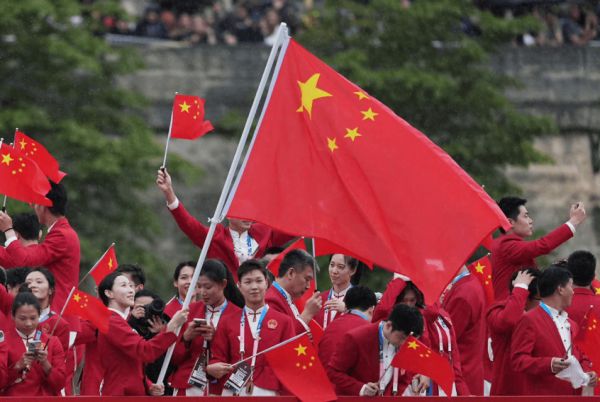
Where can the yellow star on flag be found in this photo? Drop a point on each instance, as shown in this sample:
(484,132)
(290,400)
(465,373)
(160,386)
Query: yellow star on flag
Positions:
(310,93)
(361,95)
(369,114)
(110,263)
(22,143)
(597,291)
(479,268)
(413,345)
(352,134)
(331,144)
(76,297)
(301,349)
(6,159)
(185,107)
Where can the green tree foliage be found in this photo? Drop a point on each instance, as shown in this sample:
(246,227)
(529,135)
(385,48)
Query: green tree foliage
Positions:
(419,62)
(57,84)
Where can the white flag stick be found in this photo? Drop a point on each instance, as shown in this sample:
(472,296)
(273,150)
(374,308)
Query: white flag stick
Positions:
(216,219)
(314,254)
(277,346)
(164,164)
(62,311)
(4,202)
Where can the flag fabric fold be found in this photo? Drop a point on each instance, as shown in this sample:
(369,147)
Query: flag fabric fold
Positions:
(298,368)
(364,179)
(40,155)
(188,118)
(415,357)
(105,265)
(89,308)
(482,270)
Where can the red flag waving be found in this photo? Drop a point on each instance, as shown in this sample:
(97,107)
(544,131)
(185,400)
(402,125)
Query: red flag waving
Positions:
(482,270)
(105,265)
(273,266)
(362,177)
(299,369)
(38,153)
(188,118)
(89,308)
(325,247)
(415,357)
(21,178)
(596,286)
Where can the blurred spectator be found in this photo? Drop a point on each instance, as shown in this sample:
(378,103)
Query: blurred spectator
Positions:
(551,33)
(151,26)
(268,26)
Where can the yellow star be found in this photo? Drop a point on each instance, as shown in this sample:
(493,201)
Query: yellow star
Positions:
(352,134)
(110,263)
(6,159)
(331,144)
(413,345)
(479,268)
(369,114)
(310,93)
(76,297)
(185,107)
(597,291)
(361,95)
(301,349)
(22,143)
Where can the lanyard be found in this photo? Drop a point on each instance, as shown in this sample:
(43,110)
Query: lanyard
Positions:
(249,243)
(546,309)
(180,300)
(256,337)
(44,317)
(212,316)
(359,313)
(291,305)
(334,312)
(439,323)
(557,324)
(382,369)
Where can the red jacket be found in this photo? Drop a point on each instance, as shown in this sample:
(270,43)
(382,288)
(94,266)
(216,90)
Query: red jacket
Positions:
(320,316)
(59,252)
(123,353)
(511,253)
(61,331)
(92,374)
(276,301)
(534,343)
(172,306)
(583,300)
(222,243)
(502,318)
(3,357)
(465,303)
(186,353)
(334,332)
(36,382)
(388,299)
(226,345)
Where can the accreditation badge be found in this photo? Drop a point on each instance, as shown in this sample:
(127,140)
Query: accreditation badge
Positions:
(239,378)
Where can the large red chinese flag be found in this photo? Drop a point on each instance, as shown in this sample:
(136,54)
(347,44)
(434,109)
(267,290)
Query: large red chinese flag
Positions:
(21,178)
(588,339)
(482,270)
(332,162)
(325,247)
(188,118)
(415,357)
(105,265)
(274,264)
(89,308)
(299,369)
(38,153)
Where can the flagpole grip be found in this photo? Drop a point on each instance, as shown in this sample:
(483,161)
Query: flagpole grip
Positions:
(164,164)
(62,311)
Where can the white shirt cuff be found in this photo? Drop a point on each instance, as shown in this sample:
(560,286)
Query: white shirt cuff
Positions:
(363,391)
(9,240)
(571,226)
(521,285)
(174,204)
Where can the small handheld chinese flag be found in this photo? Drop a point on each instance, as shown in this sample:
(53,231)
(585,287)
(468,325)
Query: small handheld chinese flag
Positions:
(89,308)
(40,155)
(482,270)
(299,369)
(188,118)
(105,265)
(415,357)
(596,286)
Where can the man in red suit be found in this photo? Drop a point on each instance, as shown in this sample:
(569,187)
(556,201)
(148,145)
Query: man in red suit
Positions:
(360,365)
(542,342)
(233,245)
(59,251)
(502,318)
(296,271)
(510,252)
(582,265)
(360,302)
(465,303)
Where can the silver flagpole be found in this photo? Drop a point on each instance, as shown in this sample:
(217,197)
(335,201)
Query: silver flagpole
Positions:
(164,164)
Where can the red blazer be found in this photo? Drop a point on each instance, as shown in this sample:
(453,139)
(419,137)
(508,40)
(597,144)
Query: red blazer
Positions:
(276,301)
(3,359)
(61,331)
(36,382)
(186,353)
(59,252)
(502,318)
(172,306)
(430,316)
(388,300)
(583,300)
(222,243)
(511,253)
(276,328)
(320,316)
(123,353)
(534,343)
(92,374)
(335,331)
(465,303)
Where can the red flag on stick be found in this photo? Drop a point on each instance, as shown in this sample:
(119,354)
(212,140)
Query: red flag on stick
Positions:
(105,265)
(415,357)
(299,369)
(188,118)
(40,155)
(21,178)
(482,270)
(355,169)
(89,308)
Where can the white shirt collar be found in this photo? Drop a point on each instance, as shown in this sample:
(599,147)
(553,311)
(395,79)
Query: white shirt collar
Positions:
(44,313)
(124,315)
(25,337)
(343,292)
(51,226)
